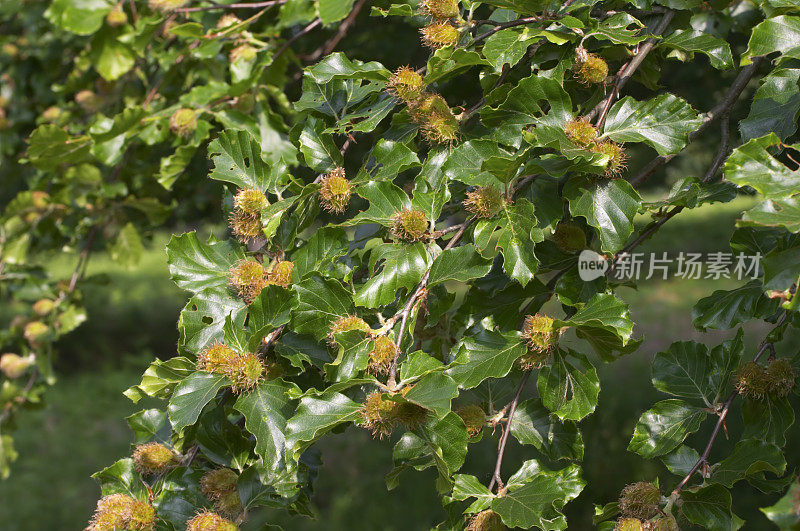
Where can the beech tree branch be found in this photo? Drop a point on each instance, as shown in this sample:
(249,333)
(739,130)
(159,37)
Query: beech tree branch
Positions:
(247,5)
(341,31)
(763,347)
(496,478)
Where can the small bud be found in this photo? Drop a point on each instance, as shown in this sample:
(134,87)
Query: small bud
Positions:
(437,121)
(153,458)
(35,331)
(439,34)
(486,520)
(334,191)
(628,524)
(116,17)
(165,6)
(346,324)
(780,377)
(752,381)
(569,237)
(119,511)
(88,100)
(474,418)
(14,366)
(183,122)
(406,84)
(250,201)
(281,274)
(410,225)
(485,202)
(51,114)
(580,131)
(615,155)
(10,49)
(248,278)
(382,355)
(378,415)
(640,500)
(243,52)
(43,306)
(440,9)
(227,20)
(541,337)
(208,521)
(246,227)
(591,69)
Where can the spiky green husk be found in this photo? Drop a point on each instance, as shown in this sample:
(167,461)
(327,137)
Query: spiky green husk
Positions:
(219,486)
(250,201)
(640,500)
(281,273)
(334,191)
(751,381)
(665,523)
(440,9)
(435,118)
(346,324)
(383,353)
(208,521)
(378,415)
(485,202)
(183,122)
(406,84)
(569,237)
(439,34)
(119,511)
(474,418)
(591,70)
(409,415)
(248,277)
(246,227)
(580,131)
(486,520)
(410,225)
(615,154)
(153,458)
(216,358)
(246,371)
(541,337)
(780,377)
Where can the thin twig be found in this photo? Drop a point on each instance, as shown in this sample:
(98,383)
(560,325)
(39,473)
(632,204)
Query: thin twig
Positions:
(627,71)
(87,248)
(513,23)
(253,5)
(763,347)
(293,38)
(344,27)
(496,478)
(720,110)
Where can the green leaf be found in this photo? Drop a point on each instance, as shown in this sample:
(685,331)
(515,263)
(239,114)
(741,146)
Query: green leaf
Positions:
(534,424)
(434,391)
(784,513)
(767,419)
(609,206)
(222,442)
(204,316)
(465,162)
(488,354)
(121,478)
(508,46)
(663,122)
(725,309)
(708,507)
(320,301)
(751,164)
(387,160)
(778,34)
(538,502)
(50,146)
(82,17)
(266,410)
(334,10)
(749,458)
(717,50)
(466,486)
(783,213)
(681,461)
(461,264)
(403,267)
(781,268)
(237,159)
(338,66)
(198,267)
(127,249)
(569,389)
(160,378)
(271,309)
(774,107)
(385,200)
(665,426)
(191,395)
(148,424)
(683,370)
(320,252)
(315,417)
(111,58)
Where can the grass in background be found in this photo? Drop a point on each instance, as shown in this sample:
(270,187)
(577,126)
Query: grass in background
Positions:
(82,429)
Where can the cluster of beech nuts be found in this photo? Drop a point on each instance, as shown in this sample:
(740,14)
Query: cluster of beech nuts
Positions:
(383,351)
(429,110)
(440,32)
(244,369)
(640,504)
(220,487)
(776,380)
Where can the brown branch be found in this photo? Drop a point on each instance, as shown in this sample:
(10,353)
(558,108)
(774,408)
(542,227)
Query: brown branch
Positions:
(248,5)
(134,12)
(719,111)
(496,478)
(87,248)
(763,347)
(293,38)
(626,72)
(344,27)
